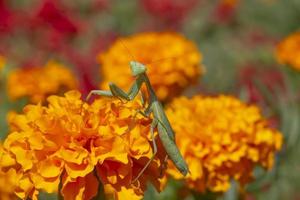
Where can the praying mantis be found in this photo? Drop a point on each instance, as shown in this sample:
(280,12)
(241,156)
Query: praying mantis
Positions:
(160,120)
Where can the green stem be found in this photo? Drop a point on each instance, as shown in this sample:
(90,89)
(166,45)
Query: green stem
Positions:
(101,193)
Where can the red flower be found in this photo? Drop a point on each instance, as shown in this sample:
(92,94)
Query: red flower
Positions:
(51,13)
(271,78)
(5,17)
(225,10)
(171,11)
(100,4)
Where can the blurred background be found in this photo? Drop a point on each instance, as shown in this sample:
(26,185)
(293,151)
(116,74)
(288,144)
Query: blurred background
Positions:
(237,39)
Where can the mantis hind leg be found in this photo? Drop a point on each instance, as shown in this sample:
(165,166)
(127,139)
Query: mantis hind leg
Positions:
(164,165)
(153,125)
(146,113)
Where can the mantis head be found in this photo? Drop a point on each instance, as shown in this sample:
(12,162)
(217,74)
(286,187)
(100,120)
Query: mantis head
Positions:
(137,68)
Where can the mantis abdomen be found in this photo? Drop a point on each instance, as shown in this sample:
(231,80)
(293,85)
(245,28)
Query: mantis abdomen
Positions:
(167,137)
(172,150)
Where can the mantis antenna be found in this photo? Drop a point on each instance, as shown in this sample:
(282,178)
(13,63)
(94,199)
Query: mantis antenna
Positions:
(155,61)
(163,59)
(128,51)
(134,59)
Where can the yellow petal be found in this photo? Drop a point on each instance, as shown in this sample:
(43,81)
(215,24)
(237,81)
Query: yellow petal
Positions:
(49,168)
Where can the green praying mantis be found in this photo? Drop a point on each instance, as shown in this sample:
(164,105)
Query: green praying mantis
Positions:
(160,120)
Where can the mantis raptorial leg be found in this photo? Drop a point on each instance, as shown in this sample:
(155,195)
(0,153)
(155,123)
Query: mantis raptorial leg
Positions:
(115,91)
(100,93)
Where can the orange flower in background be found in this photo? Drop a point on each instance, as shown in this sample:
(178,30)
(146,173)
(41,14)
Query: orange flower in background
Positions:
(84,144)
(2,63)
(39,82)
(230,2)
(173,62)
(288,51)
(221,139)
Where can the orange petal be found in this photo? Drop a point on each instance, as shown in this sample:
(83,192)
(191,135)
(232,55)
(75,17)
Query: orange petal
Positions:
(50,185)
(81,188)
(114,150)
(49,168)
(127,193)
(79,170)
(75,155)
(23,157)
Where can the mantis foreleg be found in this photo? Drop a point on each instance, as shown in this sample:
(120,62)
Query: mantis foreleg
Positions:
(118,92)
(115,91)
(100,93)
(133,91)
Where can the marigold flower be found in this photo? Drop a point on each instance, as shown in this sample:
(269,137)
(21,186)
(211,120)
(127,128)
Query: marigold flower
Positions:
(39,82)
(169,10)
(229,2)
(13,182)
(2,63)
(7,178)
(288,51)
(83,144)
(178,62)
(221,139)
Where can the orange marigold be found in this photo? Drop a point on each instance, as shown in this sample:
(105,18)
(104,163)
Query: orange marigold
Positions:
(2,63)
(176,62)
(288,51)
(13,182)
(82,144)
(231,3)
(39,82)
(221,138)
